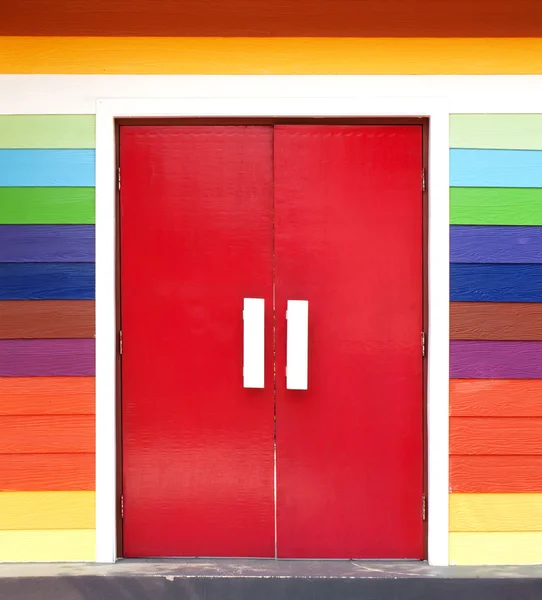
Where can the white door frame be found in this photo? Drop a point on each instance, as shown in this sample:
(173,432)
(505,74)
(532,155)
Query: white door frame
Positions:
(320,100)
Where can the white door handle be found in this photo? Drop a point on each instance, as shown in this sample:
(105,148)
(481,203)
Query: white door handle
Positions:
(253,342)
(297,344)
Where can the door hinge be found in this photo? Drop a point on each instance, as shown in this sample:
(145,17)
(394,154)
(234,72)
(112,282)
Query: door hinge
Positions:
(120,342)
(122,506)
(424,503)
(423,343)
(118,178)
(424,185)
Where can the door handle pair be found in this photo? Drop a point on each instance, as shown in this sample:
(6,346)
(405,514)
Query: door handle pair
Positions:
(297,338)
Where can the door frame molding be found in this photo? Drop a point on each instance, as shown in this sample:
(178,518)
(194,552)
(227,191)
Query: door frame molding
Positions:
(319,100)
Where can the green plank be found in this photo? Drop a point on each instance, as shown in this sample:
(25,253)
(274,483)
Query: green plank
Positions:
(47,131)
(502,132)
(495,206)
(46,205)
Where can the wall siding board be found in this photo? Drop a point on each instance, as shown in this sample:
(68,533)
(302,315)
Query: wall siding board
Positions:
(496,548)
(497,132)
(495,283)
(47,281)
(47,168)
(63,545)
(47,131)
(495,244)
(495,206)
(514,321)
(47,205)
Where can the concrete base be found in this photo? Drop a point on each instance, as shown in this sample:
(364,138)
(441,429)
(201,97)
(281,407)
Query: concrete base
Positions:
(266,580)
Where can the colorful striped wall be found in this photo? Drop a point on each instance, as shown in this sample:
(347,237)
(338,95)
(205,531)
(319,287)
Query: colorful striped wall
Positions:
(496,339)
(47,391)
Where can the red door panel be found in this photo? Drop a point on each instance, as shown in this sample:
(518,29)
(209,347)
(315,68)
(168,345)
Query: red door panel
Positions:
(196,238)
(348,223)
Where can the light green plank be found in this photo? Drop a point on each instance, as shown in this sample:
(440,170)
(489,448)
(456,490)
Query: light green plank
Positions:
(495,206)
(47,131)
(46,205)
(502,132)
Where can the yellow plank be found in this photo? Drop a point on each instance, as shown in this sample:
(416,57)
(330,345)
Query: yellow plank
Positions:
(153,55)
(47,510)
(48,546)
(496,512)
(520,548)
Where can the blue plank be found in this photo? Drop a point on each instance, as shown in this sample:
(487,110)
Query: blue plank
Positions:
(495,244)
(47,243)
(47,168)
(496,168)
(46,281)
(495,283)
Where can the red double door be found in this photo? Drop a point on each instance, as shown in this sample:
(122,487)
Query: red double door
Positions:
(211,215)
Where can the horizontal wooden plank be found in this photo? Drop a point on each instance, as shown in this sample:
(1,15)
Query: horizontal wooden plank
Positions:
(495,283)
(496,512)
(47,395)
(50,545)
(495,360)
(28,319)
(499,132)
(487,474)
(47,510)
(47,205)
(495,206)
(496,435)
(47,281)
(47,131)
(56,168)
(42,472)
(269,56)
(512,321)
(496,548)
(495,244)
(496,168)
(47,434)
(47,243)
(495,397)
(44,358)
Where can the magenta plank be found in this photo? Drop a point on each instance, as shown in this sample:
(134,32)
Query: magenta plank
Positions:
(495,360)
(28,358)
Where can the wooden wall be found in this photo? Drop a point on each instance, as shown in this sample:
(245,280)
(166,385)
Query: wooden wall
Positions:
(496,339)
(47,391)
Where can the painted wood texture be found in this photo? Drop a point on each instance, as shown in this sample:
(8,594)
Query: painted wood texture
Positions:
(47,434)
(47,510)
(495,168)
(496,548)
(505,132)
(31,168)
(487,474)
(495,206)
(494,321)
(51,545)
(496,512)
(267,56)
(495,283)
(497,244)
(240,18)
(42,472)
(47,131)
(23,358)
(47,243)
(47,395)
(496,435)
(46,281)
(47,205)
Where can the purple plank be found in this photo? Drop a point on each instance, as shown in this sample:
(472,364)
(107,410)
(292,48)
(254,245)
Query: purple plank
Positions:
(501,244)
(29,358)
(495,360)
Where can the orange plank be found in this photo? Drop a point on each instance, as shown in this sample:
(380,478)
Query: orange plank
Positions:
(47,395)
(496,397)
(487,435)
(495,474)
(46,434)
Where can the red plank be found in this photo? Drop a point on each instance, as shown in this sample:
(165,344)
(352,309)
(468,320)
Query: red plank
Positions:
(197,446)
(495,474)
(348,205)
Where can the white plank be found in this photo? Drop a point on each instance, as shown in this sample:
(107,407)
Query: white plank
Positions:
(297,345)
(254,343)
